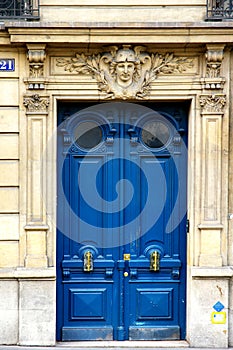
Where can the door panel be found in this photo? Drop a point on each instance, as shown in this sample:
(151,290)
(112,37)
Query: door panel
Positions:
(121,251)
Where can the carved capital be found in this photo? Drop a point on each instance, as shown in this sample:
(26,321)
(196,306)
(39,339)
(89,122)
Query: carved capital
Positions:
(36,103)
(125,72)
(212,103)
(36,57)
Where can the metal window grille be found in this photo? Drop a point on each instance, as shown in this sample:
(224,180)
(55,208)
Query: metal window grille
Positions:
(19,9)
(219,9)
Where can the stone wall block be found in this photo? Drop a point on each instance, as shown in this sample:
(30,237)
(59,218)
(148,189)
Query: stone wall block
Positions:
(9,92)
(9,200)
(9,226)
(9,254)
(9,173)
(204,295)
(9,146)
(9,119)
(37,313)
(8,312)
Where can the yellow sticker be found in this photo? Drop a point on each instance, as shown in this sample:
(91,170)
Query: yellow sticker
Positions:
(218,317)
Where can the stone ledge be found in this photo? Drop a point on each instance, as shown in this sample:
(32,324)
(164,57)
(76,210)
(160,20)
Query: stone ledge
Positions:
(27,273)
(112,25)
(212,272)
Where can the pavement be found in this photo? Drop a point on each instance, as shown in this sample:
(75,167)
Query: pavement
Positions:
(112,345)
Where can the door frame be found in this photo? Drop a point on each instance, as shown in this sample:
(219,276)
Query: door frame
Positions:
(191,152)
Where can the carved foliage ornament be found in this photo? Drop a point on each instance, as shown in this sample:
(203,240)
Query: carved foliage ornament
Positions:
(125,73)
(213,103)
(36,103)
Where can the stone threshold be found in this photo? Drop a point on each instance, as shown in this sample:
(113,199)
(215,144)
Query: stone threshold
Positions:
(126,344)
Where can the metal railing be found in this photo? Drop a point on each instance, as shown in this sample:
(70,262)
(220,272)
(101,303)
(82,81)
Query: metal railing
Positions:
(19,9)
(218,10)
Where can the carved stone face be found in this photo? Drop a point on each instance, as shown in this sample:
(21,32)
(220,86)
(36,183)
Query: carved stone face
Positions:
(124,73)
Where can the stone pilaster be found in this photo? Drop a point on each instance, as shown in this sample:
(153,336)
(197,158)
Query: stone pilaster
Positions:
(212,102)
(36,227)
(211,226)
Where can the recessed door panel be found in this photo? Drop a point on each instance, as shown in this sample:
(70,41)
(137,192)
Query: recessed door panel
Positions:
(121,251)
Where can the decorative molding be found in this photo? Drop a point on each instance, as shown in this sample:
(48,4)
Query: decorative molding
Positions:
(36,103)
(212,103)
(36,57)
(125,72)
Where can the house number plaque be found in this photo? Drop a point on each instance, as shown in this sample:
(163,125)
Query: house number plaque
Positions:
(7,65)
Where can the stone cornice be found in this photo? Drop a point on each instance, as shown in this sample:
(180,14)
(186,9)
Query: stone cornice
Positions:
(119,24)
(160,33)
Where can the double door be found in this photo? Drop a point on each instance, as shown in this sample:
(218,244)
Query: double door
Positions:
(121,243)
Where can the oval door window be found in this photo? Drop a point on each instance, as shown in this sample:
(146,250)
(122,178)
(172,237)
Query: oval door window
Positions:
(155,134)
(88,135)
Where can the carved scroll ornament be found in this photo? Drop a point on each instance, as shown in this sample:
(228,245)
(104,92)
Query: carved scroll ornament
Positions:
(125,73)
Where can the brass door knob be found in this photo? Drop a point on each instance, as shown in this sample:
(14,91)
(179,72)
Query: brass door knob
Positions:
(126,274)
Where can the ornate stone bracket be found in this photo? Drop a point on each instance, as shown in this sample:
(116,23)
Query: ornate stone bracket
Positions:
(125,72)
(36,57)
(214,57)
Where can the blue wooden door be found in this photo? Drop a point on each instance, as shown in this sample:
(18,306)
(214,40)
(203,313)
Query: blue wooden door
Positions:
(121,245)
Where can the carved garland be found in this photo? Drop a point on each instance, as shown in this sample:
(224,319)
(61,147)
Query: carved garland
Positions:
(125,72)
(36,103)
(213,103)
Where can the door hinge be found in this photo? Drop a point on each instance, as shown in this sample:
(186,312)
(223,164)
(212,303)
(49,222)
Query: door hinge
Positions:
(187,226)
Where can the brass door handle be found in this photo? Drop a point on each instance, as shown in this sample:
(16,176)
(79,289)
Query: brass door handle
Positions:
(88,261)
(154,261)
